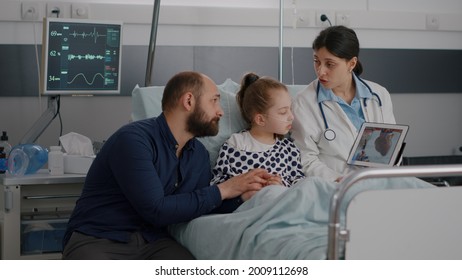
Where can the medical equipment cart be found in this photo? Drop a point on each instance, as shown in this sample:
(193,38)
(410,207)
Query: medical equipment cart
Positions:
(30,207)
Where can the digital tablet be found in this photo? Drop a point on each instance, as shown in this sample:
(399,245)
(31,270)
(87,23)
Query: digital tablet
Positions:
(378,145)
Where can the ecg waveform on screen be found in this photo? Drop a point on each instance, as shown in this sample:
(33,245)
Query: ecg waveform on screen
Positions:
(84,35)
(85,57)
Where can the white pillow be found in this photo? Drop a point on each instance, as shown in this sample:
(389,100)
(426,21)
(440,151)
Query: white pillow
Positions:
(146,102)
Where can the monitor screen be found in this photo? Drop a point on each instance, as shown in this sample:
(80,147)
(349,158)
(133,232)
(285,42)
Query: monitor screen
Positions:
(81,57)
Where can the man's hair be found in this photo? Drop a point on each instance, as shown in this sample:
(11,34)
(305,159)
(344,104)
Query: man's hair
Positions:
(187,81)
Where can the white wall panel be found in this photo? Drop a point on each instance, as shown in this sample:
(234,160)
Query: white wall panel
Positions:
(238,26)
(444,6)
(393,24)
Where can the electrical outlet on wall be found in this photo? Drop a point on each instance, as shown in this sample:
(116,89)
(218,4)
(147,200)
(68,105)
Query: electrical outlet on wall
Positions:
(31,10)
(342,19)
(432,22)
(80,11)
(58,9)
(305,18)
(329,14)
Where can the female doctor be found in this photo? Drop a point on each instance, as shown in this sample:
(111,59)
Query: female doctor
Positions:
(330,110)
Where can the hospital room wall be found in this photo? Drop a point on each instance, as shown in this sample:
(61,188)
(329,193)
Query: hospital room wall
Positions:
(391,25)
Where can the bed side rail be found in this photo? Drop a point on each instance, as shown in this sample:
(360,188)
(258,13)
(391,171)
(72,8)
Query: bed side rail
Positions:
(367,173)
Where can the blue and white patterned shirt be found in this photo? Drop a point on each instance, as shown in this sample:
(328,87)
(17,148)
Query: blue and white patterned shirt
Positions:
(242,153)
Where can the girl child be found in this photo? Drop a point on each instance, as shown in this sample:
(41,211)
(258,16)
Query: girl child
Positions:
(265,105)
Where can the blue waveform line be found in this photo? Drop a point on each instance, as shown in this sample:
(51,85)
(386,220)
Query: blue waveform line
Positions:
(94,34)
(85,78)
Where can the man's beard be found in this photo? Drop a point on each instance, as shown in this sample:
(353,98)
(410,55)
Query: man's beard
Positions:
(198,127)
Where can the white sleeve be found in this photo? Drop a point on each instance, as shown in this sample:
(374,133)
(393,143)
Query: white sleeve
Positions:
(387,106)
(388,115)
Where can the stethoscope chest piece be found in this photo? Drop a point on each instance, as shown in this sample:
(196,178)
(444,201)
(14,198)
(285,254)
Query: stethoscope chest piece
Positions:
(329,134)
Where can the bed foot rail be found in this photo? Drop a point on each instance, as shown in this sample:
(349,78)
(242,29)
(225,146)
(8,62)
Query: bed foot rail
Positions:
(335,233)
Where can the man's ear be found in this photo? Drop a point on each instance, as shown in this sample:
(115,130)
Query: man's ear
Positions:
(187,101)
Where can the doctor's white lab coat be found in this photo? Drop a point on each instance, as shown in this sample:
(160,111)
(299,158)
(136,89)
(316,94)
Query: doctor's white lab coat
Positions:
(323,158)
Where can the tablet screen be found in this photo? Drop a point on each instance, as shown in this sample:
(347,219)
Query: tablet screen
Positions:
(378,144)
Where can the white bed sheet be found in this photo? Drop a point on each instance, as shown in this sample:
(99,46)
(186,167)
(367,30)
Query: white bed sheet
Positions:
(277,223)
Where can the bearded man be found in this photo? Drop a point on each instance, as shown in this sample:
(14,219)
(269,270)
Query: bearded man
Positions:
(153,173)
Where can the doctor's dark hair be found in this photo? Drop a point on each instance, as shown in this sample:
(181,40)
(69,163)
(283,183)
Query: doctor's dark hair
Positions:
(254,96)
(340,41)
(187,81)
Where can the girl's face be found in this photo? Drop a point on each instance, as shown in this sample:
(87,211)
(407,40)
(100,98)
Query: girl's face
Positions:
(278,118)
(332,71)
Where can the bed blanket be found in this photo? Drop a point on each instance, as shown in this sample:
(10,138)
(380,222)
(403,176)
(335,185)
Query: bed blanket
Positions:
(277,223)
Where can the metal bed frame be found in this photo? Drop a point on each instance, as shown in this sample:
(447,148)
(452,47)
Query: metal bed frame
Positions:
(335,231)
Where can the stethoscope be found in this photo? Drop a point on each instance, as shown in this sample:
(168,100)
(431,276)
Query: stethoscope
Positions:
(329,134)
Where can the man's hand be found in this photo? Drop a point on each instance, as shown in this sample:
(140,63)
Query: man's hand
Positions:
(251,181)
(247,195)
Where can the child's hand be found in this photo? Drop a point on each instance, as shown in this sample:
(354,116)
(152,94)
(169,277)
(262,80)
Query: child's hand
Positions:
(275,179)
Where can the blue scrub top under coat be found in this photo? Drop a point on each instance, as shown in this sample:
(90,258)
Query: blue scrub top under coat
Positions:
(354,111)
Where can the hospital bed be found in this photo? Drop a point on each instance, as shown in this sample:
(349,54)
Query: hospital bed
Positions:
(375,213)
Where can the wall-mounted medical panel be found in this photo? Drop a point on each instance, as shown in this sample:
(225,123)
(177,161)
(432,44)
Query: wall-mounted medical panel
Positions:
(356,17)
(399,70)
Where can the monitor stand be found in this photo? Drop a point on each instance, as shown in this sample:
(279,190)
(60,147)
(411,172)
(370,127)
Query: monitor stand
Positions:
(43,122)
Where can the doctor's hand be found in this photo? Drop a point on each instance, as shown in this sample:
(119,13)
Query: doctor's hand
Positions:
(252,181)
